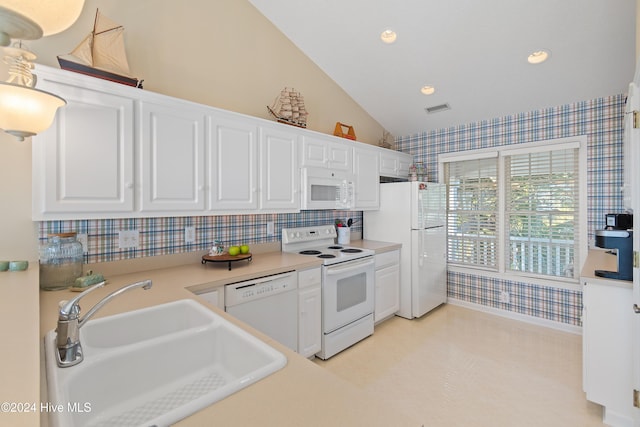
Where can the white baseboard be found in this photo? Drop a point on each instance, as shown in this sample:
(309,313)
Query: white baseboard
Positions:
(517,316)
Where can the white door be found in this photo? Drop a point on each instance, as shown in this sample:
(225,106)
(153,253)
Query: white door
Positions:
(233,164)
(428,270)
(173,161)
(632,144)
(427,205)
(74,173)
(279,173)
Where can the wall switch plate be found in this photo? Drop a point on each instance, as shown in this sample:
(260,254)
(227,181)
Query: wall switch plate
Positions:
(189,234)
(270,228)
(83,238)
(128,239)
(505,297)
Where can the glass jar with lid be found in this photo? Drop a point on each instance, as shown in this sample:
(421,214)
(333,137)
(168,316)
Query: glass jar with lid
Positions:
(60,261)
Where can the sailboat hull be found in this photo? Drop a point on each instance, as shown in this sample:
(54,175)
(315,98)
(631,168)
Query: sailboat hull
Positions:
(65,64)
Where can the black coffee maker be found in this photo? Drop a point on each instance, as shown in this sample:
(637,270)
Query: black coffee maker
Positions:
(618,237)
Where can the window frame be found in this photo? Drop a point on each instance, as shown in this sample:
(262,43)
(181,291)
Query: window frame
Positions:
(500,152)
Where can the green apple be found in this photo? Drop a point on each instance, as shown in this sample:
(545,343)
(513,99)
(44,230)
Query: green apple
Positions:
(244,249)
(234,250)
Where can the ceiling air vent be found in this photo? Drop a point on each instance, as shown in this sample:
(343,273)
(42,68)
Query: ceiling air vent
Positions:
(437,108)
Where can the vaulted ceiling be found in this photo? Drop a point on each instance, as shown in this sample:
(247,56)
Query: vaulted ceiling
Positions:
(473,52)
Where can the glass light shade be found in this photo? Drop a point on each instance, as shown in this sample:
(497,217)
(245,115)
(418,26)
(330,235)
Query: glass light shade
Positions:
(538,57)
(53,16)
(427,90)
(388,36)
(26,111)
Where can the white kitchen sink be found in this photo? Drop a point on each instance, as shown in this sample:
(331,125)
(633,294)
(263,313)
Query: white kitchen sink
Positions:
(154,366)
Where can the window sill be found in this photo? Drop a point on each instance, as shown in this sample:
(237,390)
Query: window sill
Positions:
(559,283)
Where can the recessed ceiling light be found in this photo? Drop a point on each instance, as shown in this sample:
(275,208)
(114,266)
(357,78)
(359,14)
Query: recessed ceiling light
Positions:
(539,56)
(388,36)
(427,90)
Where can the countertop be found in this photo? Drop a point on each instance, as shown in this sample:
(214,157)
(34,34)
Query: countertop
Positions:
(302,393)
(600,259)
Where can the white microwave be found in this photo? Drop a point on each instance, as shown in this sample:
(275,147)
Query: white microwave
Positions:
(326,189)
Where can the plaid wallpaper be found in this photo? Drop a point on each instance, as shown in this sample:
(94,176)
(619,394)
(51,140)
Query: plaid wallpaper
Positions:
(163,236)
(601,120)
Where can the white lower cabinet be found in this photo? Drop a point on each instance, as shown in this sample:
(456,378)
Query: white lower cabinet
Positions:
(607,348)
(387,296)
(309,312)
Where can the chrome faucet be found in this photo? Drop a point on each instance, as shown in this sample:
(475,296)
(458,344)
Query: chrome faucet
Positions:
(69,322)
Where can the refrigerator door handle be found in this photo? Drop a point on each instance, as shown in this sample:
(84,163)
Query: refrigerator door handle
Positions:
(421,252)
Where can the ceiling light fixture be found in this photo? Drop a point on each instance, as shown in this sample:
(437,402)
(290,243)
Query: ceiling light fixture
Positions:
(24,110)
(388,36)
(427,90)
(538,56)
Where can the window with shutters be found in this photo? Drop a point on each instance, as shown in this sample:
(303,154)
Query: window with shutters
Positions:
(518,209)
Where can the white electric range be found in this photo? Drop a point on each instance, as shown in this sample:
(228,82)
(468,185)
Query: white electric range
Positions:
(347,285)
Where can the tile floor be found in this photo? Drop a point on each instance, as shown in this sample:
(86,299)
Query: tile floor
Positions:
(460,367)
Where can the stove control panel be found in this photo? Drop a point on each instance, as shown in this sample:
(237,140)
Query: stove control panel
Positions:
(308,234)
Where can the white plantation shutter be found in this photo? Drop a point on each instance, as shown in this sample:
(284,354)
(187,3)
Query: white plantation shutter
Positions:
(472,211)
(542,212)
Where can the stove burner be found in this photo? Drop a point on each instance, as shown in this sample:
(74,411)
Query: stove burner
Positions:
(310,252)
(326,256)
(351,251)
(334,247)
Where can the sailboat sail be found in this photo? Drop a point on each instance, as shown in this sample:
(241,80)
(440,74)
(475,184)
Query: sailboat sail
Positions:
(102,53)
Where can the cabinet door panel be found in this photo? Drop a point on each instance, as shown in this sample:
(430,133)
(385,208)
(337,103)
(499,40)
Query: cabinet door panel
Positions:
(233,164)
(309,321)
(84,162)
(172,158)
(367,178)
(279,174)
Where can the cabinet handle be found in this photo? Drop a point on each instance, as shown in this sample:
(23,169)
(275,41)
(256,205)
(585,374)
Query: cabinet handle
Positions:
(636,309)
(129,185)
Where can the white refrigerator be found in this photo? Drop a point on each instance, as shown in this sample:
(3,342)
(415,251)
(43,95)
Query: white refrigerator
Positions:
(414,214)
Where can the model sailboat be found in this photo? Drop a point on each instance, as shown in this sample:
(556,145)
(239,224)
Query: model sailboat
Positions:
(289,108)
(101,54)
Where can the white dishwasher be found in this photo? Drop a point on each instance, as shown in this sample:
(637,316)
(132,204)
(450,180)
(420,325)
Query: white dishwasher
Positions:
(269,304)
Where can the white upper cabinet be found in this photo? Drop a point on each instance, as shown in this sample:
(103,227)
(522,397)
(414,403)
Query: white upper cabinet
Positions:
(367,178)
(83,164)
(394,164)
(326,153)
(172,172)
(115,152)
(279,173)
(233,163)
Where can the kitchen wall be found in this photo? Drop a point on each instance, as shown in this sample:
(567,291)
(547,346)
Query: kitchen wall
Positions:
(222,53)
(601,120)
(165,236)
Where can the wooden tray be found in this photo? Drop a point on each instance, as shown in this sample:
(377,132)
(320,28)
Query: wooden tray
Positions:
(227,258)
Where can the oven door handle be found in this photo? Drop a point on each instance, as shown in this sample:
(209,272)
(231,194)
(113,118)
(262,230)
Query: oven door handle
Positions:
(351,265)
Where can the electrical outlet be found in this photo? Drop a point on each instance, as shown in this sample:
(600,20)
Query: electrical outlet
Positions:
(189,234)
(83,238)
(128,239)
(270,228)
(505,297)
